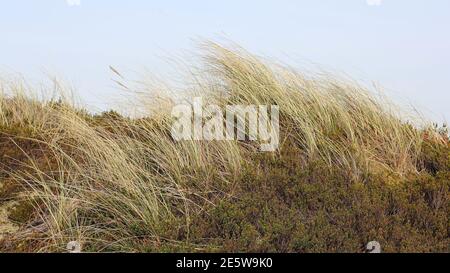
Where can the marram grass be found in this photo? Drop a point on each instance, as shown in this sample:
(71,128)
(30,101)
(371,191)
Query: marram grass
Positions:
(350,169)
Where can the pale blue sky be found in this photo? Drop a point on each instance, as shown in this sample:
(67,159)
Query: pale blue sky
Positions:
(402,44)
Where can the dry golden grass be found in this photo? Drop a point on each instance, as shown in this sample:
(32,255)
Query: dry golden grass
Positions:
(118,178)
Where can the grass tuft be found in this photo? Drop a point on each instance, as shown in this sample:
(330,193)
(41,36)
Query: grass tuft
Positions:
(350,169)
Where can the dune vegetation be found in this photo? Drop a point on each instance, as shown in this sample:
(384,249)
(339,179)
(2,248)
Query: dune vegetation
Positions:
(351,168)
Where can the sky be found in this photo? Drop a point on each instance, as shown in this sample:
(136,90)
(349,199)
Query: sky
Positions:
(402,45)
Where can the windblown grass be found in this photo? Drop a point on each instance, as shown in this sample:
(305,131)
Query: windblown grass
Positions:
(113,182)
